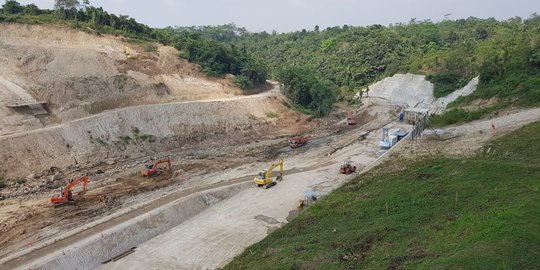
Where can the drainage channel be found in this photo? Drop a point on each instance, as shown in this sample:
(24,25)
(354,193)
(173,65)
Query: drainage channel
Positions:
(58,247)
(119,241)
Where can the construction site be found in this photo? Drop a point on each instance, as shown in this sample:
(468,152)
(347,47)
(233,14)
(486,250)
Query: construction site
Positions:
(119,158)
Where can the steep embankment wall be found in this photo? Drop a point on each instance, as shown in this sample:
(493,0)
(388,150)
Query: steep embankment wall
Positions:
(113,134)
(415,91)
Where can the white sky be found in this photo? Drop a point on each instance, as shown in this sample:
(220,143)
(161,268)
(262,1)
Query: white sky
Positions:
(292,15)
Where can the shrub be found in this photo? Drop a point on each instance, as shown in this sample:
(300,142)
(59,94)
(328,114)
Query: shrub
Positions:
(446,83)
(272,115)
(458,115)
(20,181)
(305,89)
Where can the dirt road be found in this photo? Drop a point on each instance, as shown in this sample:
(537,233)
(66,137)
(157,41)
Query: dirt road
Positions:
(214,237)
(307,159)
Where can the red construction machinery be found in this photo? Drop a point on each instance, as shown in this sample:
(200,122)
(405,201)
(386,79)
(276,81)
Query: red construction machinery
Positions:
(298,141)
(152,168)
(347,168)
(66,195)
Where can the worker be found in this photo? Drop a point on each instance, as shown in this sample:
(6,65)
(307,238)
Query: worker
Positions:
(401,116)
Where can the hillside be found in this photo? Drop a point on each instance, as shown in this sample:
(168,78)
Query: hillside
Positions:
(171,126)
(79,74)
(432,212)
(504,54)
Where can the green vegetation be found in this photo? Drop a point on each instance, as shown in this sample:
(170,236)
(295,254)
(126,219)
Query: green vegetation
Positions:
(214,58)
(305,88)
(2,182)
(458,115)
(124,140)
(506,55)
(20,181)
(446,83)
(272,115)
(479,212)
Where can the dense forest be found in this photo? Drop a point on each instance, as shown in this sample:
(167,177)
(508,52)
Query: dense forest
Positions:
(505,54)
(321,66)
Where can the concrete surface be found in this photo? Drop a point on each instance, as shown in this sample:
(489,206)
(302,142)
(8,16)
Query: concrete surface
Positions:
(214,237)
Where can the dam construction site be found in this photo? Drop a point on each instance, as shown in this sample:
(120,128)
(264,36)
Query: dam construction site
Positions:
(117,156)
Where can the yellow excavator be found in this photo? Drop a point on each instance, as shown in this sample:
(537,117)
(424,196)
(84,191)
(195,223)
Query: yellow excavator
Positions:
(264,178)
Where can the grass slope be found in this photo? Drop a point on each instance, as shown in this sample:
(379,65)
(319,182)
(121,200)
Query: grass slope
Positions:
(480,212)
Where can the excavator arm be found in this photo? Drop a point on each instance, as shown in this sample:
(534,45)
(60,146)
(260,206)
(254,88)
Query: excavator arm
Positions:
(267,180)
(83,179)
(56,200)
(165,160)
(149,171)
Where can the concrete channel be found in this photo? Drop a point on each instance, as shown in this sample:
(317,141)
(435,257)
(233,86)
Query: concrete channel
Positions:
(120,240)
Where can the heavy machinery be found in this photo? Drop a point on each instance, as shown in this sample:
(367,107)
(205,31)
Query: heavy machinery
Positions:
(347,168)
(298,141)
(66,194)
(264,178)
(150,169)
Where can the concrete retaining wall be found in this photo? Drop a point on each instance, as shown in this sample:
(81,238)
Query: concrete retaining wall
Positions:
(92,252)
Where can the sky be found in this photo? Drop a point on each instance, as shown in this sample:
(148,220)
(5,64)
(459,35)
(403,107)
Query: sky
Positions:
(295,15)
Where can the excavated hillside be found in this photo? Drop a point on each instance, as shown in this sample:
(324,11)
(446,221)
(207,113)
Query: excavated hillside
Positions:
(78,74)
(70,100)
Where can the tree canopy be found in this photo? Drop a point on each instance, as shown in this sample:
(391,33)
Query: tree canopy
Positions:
(66,4)
(451,52)
(505,54)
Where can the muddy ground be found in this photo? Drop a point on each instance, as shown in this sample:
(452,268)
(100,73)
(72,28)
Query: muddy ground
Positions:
(27,217)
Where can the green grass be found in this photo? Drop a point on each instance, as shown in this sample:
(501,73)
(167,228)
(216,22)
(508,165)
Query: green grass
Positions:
(512,91)
(298,108)
(272,115)
(480,212)
(458,115)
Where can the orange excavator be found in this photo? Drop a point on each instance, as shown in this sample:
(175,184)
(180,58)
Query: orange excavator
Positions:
(151,168)
(67,195)
(298,142)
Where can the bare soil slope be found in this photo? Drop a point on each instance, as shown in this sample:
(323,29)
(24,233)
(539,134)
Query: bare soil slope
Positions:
(109,99)
(79,74)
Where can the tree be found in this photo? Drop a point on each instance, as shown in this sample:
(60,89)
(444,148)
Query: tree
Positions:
(32,9)
(304,87)
(12,7)
(66,4)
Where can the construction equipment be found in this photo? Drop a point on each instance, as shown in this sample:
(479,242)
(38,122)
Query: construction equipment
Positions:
(150,169)
(347,168)
(298,141)
(66,194)
(385,141)
(264,178)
